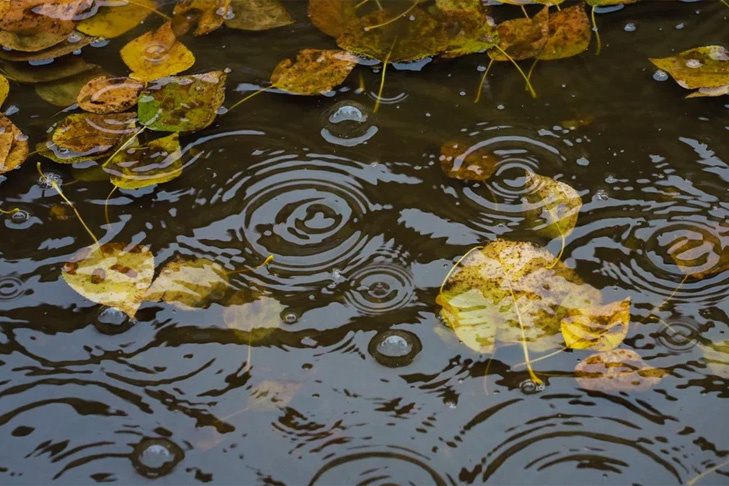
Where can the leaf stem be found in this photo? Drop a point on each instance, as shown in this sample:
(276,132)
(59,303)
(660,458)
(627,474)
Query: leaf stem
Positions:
(693,481)
(529,84)
(554,353)
(382,78)
(525,12)
(268,260)
(561,251)
(483,81)
(597,32)
(453,268)
(106,205)
(12,211)
(394,19)
(124,145)
(147,7)
(246,99)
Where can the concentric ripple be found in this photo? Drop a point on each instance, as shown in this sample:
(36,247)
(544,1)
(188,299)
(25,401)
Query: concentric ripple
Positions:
(678,335)
(11,287)
(382,286)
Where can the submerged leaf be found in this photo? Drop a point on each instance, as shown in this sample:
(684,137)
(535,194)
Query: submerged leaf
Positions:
(617,370)
(554,206)
(699,252)
(331,16)
(13,146)
(478,303)
(255,317)
(717,357)
(257,15)
(113,274)
(33,42)
(58,69)
(272,395)
(600,328)
(86,132)
(156,54)
(157,162)
(182,103)
(189,282)
(29,17)
(461,161)
(71,44)
(702,67)
(314,72)
(64,92)
(116,18)
(109,94)
(522,38)
(4,89)
(569,34)
(211,13)
(468,30)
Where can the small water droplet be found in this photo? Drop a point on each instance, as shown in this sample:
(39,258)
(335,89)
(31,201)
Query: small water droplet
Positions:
(111,321)
(20,217)
(602,195)
(694,63)
(74,38)
(348,123)
(629,27)
(680,26)
(660,75)
(290,317)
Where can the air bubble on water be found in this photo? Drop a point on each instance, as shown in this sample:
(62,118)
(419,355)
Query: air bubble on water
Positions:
(50,177)
(694,63)
(108,320)
(154,458)
(530,387)
(290,317)
(348,123)
(583,161)
(660,75)
(394,348)
(680,26)
(629,27)
(602,195)
(20,217)
(229,15)
(222,110)
(77,52)
(101,42)
(74,38)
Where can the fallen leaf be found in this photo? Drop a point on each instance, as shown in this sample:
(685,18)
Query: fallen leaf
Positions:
(257,15)
(63,92)
(699,252)
(702,67)
(522,38)
(462,161)
(4,89)
(314,72)
(116,18)
(58,69)
(211,16)
(468,30)
(29,17)
(254,317)
(87,132)
(156,54)
(569,34)
(189,282)
(717,357)
(554,206)
(109,94)
(272,395)
(617,370)
(710,92)
(182,103)
(13,146)
(73,43)
(113,274)
(600,328)
(32,43)
(331,16)
(157,162)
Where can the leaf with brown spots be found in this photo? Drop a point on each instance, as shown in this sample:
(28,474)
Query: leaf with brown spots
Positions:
(569,34)
(157,162)
(4,89)
(464,162)
(600,328)
(258,15)
(522,38)
(189,283)
(37,16)
(331,16)
(157,54)
(85,132)
(314,72)
(109,94)
(619,370)
(13,146)
(553,206)
(58,50)
(210,13)
(31,42)
(113,274)
(700,68)
(469,30)
(63,92)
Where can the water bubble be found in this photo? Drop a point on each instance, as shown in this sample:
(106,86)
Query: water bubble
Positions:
(693,63)
(680,26)
(111,321)
(629,27)
(290,317)
(602,195)
(530,387)
(660,75)
(348,123)
(678,335)
(50,177)
(395,348)
(154,458)
(74,38)
(20,217)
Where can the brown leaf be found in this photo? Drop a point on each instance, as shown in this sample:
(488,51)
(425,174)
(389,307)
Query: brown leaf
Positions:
(108,94)
(85,132)
(314,72)
(570,32)
(13,146)
(617,370)
(210,13)
(522,38)
(331,16)
(258,15)
(461,161)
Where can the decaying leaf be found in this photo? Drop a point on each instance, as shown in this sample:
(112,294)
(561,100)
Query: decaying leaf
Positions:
(157,162)
(257,15)
(272,395)
(156,54)
(189,282)
(462,161)
(4,89)
(211,13)
(522,38)
(331,16)
(600,328)
(87,132)
(386,34)
(468,29)
(699,68)
(314,72)
(569,34)
(717,357)
(13,146)
(63,92)
(699,252)
(254,317)
(58,69)
(481,297)
(554,206)
(73,43)
(32,43)
(109,94)
(617,370)
(116,18)
(29,17)
(182,103)
(113,274)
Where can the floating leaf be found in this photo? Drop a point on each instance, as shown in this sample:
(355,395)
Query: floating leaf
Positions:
(156,54)
(255,317)
(87,132)
(108,94)
(13,146)
(471,163)
(699,252)
(4,89)
(569,34)
(384,33)
(314,72)
(113,274)
(717,357)
(331,16)
(74,42)
(272,395)
(29,17)
(117,18)
(157,162)
(58,69)
(479,297)
(554,206)
(617,370)
(710,92)
(182,103)
(468,30)
(258,15)
(189,282)
(600,328)
(32,43)
(211,13)
(702,67)
(63,92)
(522,38)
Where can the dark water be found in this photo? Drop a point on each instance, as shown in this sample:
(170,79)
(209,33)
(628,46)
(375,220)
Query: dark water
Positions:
(362,236)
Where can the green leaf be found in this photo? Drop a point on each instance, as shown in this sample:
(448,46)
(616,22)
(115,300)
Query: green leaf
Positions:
(258,15)
(157,162)
(314,72)
(182,103)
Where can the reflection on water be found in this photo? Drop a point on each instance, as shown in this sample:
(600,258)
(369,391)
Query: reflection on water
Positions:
(361,382)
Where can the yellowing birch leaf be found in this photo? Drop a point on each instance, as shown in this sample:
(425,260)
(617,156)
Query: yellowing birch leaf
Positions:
(554,206)
(331,16)
(189,282)
(116,18)
(211,13)
(314,72)
(701,67)
(258,15)
(615,371)
(522,38)
(4,89)
(600,328)
(109,94)
(569,34)
(157,162)
(156,54)
(13,146)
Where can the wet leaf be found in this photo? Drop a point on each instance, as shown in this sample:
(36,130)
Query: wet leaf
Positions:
(29,17)
(717,357)
(314,72)
(58,69)
(87,132)
(13,146)
(569,34)
(253,316)
(478,304)
(409,37)
(189,282)
(74,42)
(4,89)
(600,328)
(702,67)
(459,5)
(258,15)
(710,92)
(156,54)
(113,274)
(31,43)
(157,162)
(461,161)
(63,92)
(182,103)
(617,370)
(522,38)
(699,253)
(554,206)
(116,18)
(211,13)
(272,395)
(331,16)
(109,94)
(468,31)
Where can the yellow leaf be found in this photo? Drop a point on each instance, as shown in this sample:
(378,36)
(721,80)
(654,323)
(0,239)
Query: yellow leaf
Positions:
(600,328)
(254,317)
(58,50)
(258,15)
(4,89)
(617,370)
(211,13)
(157,54)
(554,206)
(189,282)
(109,94)
(157,162)
(116,18)
(461,161)
(85,132)
(701,67)
(13,146)
(113,274)
(314,72)
(569,34)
